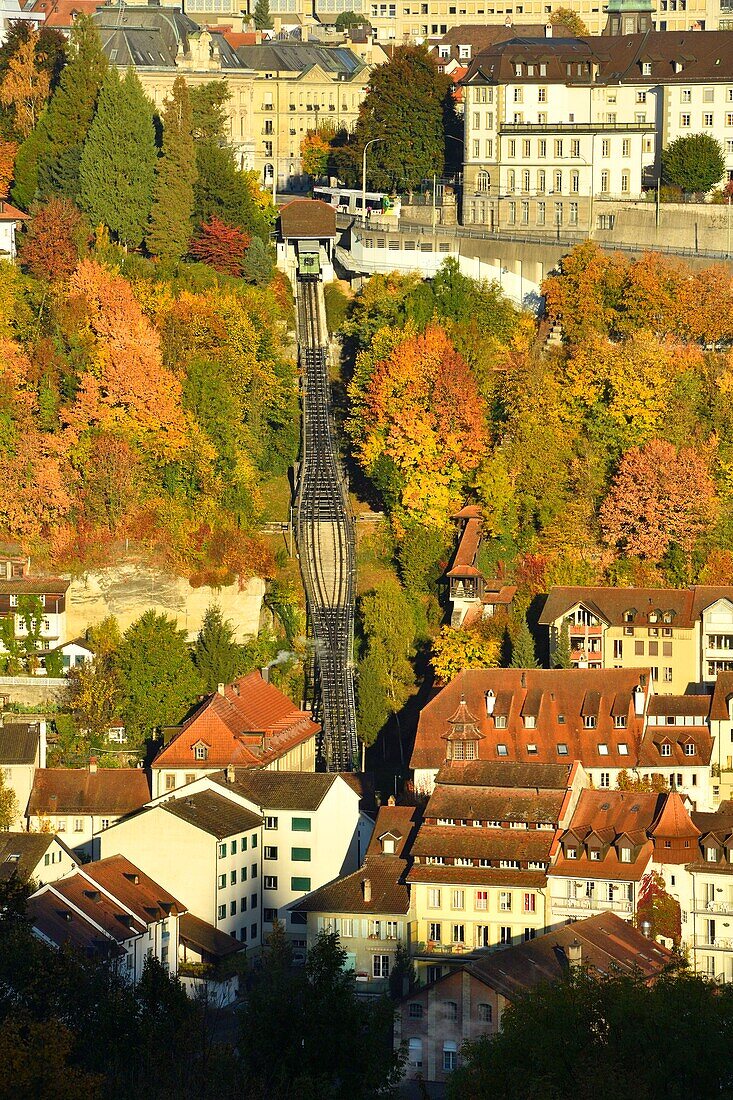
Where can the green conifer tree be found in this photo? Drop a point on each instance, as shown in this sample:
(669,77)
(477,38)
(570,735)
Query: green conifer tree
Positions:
(262,17)
(523,654)
(258,267)
(175,175)
(64,126)
(25,184)
(562,657)
(118,160)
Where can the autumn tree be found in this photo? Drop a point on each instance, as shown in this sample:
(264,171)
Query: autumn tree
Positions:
(694,162)
(418,423)
(8,805)
(93,694)
(118,159)
(221,246)
(566,17)
(315,151)
(175,175)
(655,783)
(659,495)
(8,153)
(583,295)
(658,908)
(25,86)
(455,650)
(56,238)
(64,126)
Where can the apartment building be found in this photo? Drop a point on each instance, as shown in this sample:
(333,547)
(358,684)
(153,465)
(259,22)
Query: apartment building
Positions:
(684,636)
(605,719)
(370,908)
(278,90)
(708,906)
(480,858)
(37,858)
(22,753)
(554,126)
(248,724)
(434,1021)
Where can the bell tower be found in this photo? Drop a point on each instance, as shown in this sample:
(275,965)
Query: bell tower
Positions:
(629,17)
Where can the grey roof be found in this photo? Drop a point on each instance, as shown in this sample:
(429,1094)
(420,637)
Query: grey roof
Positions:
(300,57)
(211,941)
(213,814)
(280,790)
(151,37)
(20,853)
(19,742)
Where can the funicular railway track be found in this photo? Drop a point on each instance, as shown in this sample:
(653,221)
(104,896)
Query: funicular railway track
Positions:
(325,535)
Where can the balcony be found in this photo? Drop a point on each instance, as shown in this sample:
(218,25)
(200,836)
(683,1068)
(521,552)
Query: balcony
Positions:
(718,944)
(588,905)
(714,907)
(575,127)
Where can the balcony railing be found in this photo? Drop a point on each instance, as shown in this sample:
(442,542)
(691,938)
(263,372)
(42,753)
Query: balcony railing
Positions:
(720,943)
(620,905)
(714,907)
(575,127)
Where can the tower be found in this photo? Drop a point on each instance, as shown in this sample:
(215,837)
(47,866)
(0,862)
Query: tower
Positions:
(628,17)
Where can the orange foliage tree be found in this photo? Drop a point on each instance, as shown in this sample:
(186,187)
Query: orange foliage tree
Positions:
(8,151)
(659,495)
(127,388)
(315,150)
(26,85)
(56,236)
(420,409)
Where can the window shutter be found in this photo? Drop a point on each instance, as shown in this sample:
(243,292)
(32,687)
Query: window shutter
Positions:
(364,929)
(400,929)
(321,924)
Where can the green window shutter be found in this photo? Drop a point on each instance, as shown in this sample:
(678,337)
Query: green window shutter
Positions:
(300,855)
(301,824)
(300,885)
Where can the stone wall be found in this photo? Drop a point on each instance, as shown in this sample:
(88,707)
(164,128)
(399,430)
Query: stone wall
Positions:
(686,226)
(130,588)
(32,691)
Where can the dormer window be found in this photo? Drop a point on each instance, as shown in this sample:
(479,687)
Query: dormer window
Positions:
(619,721)
(690,748)
(530,721)
(500,721)
(589,722)
(595,855)
(711,855)
(464,53)
(388,845)
(571,853)
(200,751)
(653,616)
(629,615)
(667,616)
(665,749)
(646,68)
(531,750)
(444,51)
(625,855)
(518,69)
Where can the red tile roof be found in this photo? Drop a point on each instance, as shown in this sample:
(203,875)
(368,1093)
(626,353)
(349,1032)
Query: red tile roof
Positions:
(249,725)
(553,694)
(10,213)
(79,791)
(467,842)
(61,13)
(308,218)
(673,820)
(137,891)
(464,562)
(686,604)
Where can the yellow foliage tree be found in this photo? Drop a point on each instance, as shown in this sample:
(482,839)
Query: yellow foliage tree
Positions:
(454,650)
(26,85)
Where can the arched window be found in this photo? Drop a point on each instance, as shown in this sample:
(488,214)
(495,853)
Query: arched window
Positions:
(541,182)
(414,1053)
(483,181)
(575,182)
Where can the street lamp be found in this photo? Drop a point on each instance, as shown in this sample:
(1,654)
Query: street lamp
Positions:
(372,141)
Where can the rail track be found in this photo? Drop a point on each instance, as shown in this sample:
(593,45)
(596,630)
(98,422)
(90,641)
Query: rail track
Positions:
(325,535)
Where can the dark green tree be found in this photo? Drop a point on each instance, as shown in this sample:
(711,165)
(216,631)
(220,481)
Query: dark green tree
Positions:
(262,17)
(158,680)
(25,183)
(410,126)
(562,658)
(217,656)
(65,124)
(372,684)
(118,159)
(258,267)
(595,1037)
(22,649)
(523,652)
(693,163)
(422,553)
(347,19)
(175,174)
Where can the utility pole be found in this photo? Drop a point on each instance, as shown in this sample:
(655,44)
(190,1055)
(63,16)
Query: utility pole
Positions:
(372,141)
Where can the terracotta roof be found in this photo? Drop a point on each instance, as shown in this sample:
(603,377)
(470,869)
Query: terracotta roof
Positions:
(608,945)
(53,918)
(722,692)
(479,843)
(620,811)
(562,693)
(308,218)
(673,819)
(280,790)
(465,557)
(687,604)
(206,939)
(650,753)
(212,813)
(79,791)
(679,705)
(487,773)
(20,853)
(451,875)
(608,868)
(9,213)
(469,511)
(19,743)
(136,890)
(401,822)
(389,894)
(249,725)
(61,13)
(491,804)
(96,904)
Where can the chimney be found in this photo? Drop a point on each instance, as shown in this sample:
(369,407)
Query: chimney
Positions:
(524,679)
(574,954)
(366,887)
(490,702)
(548,30)
(265,672)
(92,765)
(230,775)
(639,701)
(220,688)
(235,689)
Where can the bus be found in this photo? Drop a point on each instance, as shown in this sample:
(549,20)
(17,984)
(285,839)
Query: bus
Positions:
(347,200)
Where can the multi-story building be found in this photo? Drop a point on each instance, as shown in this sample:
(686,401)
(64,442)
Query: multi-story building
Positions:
(110,910)
(480,859)
(249,724)
(22,753)
(24,598)
(708,907)
(37,858)
(604,719)
(80,803)
(434,1021)
(299,830)
(370,908)
(554,126)
(278,90)
(683,635)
